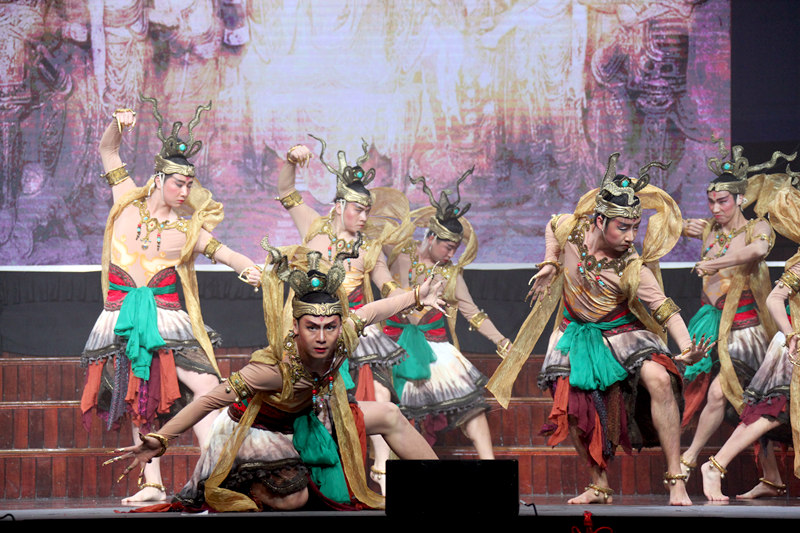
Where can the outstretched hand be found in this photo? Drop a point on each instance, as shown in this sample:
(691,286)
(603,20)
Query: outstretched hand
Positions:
(696,351)
(541,283)
(141,454)
(125,119)
(430,293)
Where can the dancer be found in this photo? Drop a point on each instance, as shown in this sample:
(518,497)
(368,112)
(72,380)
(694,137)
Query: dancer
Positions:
(735,287)
(355,210)
(766,412)
(607,366)
(144,351)
(289,437)
(438,387)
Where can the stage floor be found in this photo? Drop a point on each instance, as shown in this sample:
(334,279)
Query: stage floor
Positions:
(626,513)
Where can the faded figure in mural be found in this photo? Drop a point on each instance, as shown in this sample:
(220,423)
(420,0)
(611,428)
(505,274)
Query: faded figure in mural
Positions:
(35,87)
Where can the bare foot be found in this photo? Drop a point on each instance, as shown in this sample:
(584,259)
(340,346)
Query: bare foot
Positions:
(712,483)
(147,494)
(592,496)
(763,490)
(378,476)
(687,467)
(678,494)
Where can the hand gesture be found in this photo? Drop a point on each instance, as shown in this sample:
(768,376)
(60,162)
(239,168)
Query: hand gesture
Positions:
(430,293)
(125,119)
(299,155)
(694,227)
(704,268)
(252,276)
(791,350)
(541,283)
(148,449)
(696,351)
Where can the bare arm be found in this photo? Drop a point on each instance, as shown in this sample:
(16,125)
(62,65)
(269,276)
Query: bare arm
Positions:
(550,266)
(429,296)
(763,237)
(776,303)
(109,150)
(302,215)
(478,319)
(218,252)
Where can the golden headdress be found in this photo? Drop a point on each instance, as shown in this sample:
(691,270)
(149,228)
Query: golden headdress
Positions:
(313,280)
(348,175)
(610,188)
(737,166)
(173,146)
(445,209)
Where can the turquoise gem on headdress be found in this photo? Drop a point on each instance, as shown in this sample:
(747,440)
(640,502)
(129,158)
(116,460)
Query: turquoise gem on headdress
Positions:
(455,211)
(726,165)
(359,173)
(625,183)
(182,147)
(316,282)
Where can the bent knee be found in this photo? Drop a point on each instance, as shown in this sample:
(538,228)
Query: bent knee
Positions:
(655,378)
(279,502)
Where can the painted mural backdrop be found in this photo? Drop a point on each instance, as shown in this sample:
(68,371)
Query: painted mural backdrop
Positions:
(534,94)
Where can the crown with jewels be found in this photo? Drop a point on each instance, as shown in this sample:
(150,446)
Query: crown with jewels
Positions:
(628,187)
(738,166)
(445,209)
(173,145)
(347,175)
(313,280)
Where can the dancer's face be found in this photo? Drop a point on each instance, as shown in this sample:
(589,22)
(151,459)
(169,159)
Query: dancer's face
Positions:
(316,336)
(441,251)
(175,188)
(723,205)
(619,233)
(353,215)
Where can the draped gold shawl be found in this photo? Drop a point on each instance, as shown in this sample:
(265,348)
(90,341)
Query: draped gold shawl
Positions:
(663,231)
(206,213)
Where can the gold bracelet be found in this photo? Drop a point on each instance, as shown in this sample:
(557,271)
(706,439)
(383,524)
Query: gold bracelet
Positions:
(476,320)
(791,280)
(388,287)
(665,311)
(291,200)
(164,441)
(359,323)
(239,387)
(243,275)
(117,175)
(551,262)
(289,157)
(211,249)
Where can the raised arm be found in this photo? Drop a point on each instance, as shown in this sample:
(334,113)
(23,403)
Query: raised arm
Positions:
(302,215)
(427,295)
(115,172)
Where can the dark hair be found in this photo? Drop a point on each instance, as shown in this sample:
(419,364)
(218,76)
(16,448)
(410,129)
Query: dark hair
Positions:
(319,298)
(451,224)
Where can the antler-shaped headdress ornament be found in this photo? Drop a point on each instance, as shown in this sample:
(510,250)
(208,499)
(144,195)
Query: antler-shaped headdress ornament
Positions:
(347,175)
(609,188)
(738,166)
(173,145)
(445,209)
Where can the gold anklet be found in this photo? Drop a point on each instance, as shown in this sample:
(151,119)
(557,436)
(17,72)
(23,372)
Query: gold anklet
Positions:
(158,486)
(598,490)
(781,489)
(719,467)
(687,464)
(672,479)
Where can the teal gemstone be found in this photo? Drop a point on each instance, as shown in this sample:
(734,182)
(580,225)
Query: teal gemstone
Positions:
(625,183)
(455,211)
(726,165)
(316,282)
(182,147)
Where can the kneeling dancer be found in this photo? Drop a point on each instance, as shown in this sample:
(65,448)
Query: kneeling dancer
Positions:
(290,436)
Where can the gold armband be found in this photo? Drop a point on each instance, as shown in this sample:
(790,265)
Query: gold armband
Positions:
(388,287)
(291,200)
(117,175)
(239,387)
(791,280)
(665,311)
(419,305)
(359,324)
(476,320)
(211,249)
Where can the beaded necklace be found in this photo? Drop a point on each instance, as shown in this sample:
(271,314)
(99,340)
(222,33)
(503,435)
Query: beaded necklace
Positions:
(418,269)
(338,245)
(152,224)
(722,240)
(588,265)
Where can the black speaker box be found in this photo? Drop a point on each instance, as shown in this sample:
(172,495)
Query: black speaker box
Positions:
(461,487)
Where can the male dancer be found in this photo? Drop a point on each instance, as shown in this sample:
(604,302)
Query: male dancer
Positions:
(735,287)
(767,407)
(289,435)
(154,233)
(607,361)
(437,385)
(356,210)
